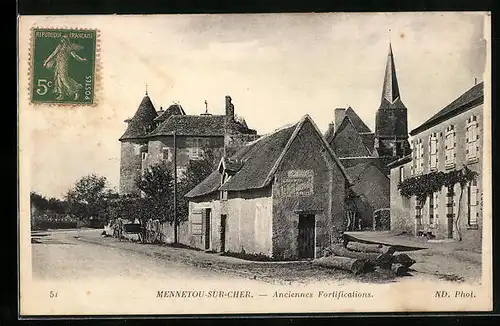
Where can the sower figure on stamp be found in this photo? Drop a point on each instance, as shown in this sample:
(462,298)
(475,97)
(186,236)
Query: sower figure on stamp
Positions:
(64,85)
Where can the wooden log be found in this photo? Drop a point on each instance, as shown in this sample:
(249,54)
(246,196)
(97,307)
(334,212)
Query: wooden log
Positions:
(356,266)
(403,259)
(365,247)
(371,257)
(399,269)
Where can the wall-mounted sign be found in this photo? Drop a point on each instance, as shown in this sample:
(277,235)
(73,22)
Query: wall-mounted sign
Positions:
(297,183)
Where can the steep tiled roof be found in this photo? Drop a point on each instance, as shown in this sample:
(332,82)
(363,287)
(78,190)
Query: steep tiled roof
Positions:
(468,100)
(198,125)
(371,184)
(260,159)
(174,109)
(369,141)
(356,121)
(330,132)
(355,171)
(207,186)
(347,142)
(142,118)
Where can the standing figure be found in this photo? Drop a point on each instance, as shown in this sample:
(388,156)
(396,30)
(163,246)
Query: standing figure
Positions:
(64,85)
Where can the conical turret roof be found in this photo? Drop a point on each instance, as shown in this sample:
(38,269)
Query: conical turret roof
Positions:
(143,117)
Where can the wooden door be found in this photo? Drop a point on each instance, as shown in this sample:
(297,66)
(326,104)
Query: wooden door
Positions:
(306,236)
(223,233)
(208,218)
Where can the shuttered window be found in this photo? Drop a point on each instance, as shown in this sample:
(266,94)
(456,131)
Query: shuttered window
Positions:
(472,195)
(472,139)
(195,150)
(431,209)
(433,151)
(419,157)
(434,208)
(450,147)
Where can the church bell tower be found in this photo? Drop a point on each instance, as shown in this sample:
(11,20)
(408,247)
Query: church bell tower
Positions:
(391,122)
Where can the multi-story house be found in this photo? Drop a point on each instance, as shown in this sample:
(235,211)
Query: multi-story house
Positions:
(153,136)
(449,140)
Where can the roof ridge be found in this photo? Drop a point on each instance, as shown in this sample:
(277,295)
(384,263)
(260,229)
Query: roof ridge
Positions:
(299,126)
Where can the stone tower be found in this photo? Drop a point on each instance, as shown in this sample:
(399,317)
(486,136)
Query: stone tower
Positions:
(391,122)
(134,145)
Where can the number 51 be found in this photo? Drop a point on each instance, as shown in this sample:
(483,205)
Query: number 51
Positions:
(42,86)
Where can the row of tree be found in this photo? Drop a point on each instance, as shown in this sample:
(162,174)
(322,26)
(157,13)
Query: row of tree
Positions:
(91,197)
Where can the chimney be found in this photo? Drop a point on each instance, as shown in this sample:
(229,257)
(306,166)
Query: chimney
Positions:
(339,116)
(331,126)
(475,81)
(229,108)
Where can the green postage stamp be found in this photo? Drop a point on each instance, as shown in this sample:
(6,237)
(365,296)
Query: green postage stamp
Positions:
(63,66)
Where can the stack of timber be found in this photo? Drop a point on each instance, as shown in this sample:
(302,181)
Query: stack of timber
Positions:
(360,258)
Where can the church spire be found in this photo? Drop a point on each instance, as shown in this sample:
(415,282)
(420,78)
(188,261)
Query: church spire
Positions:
(390,89)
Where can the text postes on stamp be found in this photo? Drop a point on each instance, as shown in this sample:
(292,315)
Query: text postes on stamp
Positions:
(63,66)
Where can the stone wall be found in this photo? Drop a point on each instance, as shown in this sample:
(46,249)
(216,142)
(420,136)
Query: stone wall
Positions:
(402,219)
(321,194)
(130,166)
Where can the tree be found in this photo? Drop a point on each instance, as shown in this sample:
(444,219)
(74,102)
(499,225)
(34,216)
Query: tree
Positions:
(88,198)
(156,183)
(196,172)
(38,201)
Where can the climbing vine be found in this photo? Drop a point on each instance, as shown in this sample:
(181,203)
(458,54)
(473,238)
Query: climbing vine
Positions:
(424,185)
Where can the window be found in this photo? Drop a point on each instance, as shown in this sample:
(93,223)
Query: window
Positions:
(472,139)
(144,155)
(194,150)
(433,151)
(137,149)
(472,211)
(433,208)
(401,173)
(165,154)
(418,157)
(449,146)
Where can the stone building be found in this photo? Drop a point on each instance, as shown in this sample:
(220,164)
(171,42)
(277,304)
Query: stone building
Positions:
(151,137)
(366,154)
(449,140)
(281,196)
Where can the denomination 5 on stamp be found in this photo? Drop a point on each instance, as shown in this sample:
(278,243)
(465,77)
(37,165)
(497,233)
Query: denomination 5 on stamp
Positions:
(63,65)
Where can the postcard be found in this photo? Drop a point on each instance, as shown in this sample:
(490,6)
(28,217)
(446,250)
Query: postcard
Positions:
(254,163)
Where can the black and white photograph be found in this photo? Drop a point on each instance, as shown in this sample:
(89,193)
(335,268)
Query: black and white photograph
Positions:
(255,163)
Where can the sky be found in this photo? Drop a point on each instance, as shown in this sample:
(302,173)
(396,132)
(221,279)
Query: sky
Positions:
(276,68)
